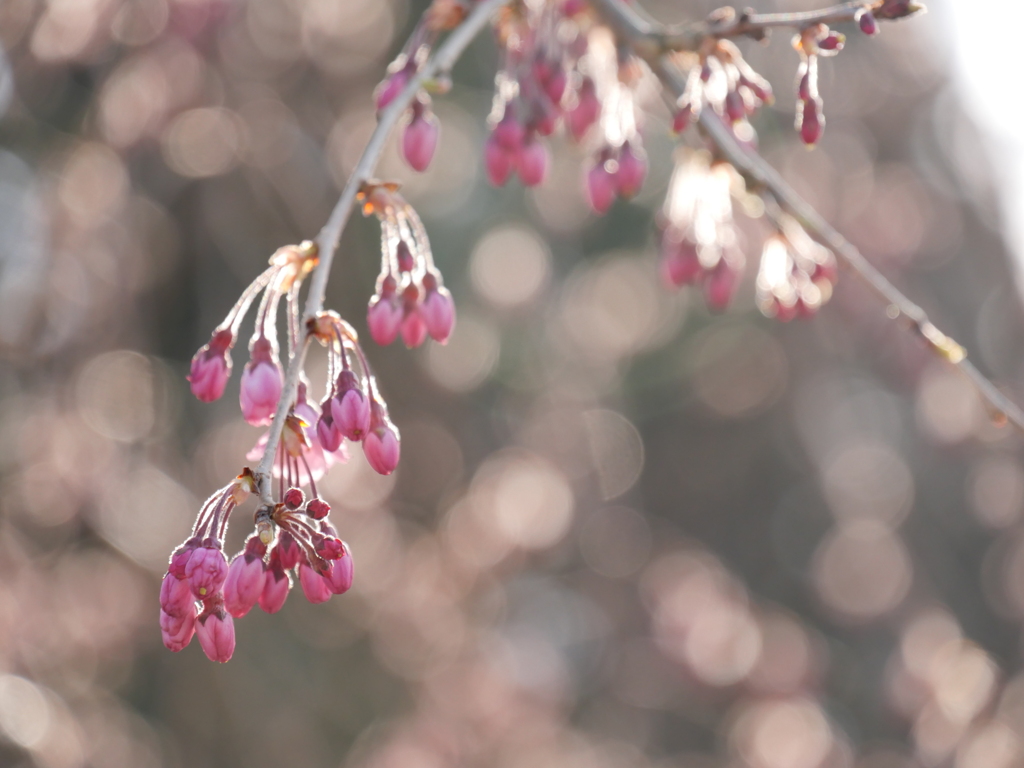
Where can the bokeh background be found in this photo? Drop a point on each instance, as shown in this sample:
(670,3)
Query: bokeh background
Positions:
(625,533)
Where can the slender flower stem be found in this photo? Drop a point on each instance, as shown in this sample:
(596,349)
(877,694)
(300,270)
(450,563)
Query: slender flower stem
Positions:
(763,176)
(327,241)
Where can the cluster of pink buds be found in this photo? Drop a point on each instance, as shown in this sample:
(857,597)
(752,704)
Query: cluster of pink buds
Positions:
(261,379)
(722,79)
(815,41)
(410,297)
(698,239)
(201,594)
(353,408)
(796,275)
(421,133)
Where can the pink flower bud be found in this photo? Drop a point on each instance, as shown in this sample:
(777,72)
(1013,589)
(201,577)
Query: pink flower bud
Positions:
(812,122)
(632,171)
(761,88)
(261,384)
(803,88)
(318,509)
(206,571)
(382,447)
(314,586)
(180,557)
(216,632)
(509,132)
(287,550)
(587,110)
(735,109)
(833,41)
(330,548)
(680,263)
(600,188)
(176,597)
(327,431)
(720,286)
(340,577)
(414,329)
(498,162)
(403,255)
(533,162)
(177,631)
(681,117)
(211,367)
(438,312)
(294,498)
(384,318)
(866,20)
(393,85)
(276,585)
(419,140)
(244,583)
(350,408)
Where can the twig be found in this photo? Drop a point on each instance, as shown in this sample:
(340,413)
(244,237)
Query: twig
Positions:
(650,38)
(327,241)
(763,175)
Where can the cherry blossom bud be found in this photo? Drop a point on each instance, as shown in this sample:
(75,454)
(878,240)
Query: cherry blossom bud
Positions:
(393,85)
(681,117)
(287,550)
(419,140)
(216,632)
(720,286)
(803,89)
(245,580)
(404,256)
(340,577)
(414,328)
(330,548)
(587,110)
(384,318)
(680,263)
(556,85)
(206,571)
(177,631)
(833,41)
(866,20)
(382,446)
(176,596)
(600,188)
(181,556)
(758,86)
(211,367)
(350,408)
(735,109)
(632,170)
(498,162)
(261,384)
(533,162)
(314,586)
(812,122)
(509,132)
(438,311)
(318,509)
(327,431)
(276,584)
(294,498)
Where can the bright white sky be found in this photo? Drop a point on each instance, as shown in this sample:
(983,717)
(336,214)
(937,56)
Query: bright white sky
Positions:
(988,74)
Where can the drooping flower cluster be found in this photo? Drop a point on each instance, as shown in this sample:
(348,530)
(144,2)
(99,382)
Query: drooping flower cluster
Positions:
(201,594)
(261,379)
(293,533)
(410,298)
(796,275)
(353,408)
(722,79)
(698,239)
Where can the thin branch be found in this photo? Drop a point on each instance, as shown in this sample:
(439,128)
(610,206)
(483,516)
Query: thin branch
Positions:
(327,241)
(765,177)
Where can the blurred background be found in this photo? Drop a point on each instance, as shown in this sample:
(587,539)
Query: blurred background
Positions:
(625,533)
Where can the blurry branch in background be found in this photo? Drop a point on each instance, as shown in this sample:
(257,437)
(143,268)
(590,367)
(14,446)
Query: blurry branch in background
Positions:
(761,176)
(327,240)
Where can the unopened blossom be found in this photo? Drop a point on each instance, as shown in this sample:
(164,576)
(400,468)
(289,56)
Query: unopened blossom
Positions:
(244,583)
(211,367)
(419,139)
(216,632)
(382,445)
(261,384)
(314,585)
(206,570)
